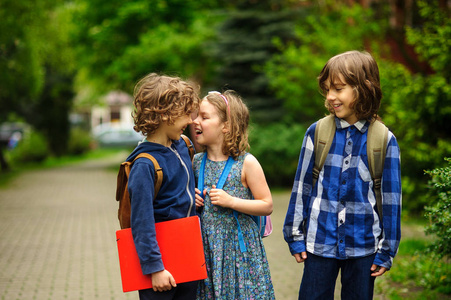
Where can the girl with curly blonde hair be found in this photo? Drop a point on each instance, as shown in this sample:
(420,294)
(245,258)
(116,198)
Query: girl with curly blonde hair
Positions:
(236,261)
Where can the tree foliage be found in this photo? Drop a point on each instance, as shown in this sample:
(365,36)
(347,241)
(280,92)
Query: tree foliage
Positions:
(121,41)
(38,66)
(439,211)
(244,44)
(418,106)
(21,79)
(319,36)
(277,148)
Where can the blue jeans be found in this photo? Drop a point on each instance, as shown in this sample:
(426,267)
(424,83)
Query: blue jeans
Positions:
(320,275)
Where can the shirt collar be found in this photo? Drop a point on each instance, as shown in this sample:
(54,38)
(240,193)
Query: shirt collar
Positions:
(361,125)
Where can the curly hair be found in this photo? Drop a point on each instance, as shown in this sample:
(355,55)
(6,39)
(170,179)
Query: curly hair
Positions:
(360,71)
(159,98)
(236,116)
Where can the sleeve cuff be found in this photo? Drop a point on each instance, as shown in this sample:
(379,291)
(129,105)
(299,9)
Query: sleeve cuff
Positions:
(152,266)
(383,260)
(297,247)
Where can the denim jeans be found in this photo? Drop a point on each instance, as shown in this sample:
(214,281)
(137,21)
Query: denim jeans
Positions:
(320,275)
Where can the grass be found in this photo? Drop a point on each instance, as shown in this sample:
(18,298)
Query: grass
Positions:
(416,273)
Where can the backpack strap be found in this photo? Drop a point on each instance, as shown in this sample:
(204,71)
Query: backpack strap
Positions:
(158,170)
(324,135)
(189,145)
(376,146)
(122,194)
(376,151)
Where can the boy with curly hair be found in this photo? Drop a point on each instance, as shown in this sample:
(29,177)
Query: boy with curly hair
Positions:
(163,108)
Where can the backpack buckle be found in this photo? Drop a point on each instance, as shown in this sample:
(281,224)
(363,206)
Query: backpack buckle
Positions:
(377,183)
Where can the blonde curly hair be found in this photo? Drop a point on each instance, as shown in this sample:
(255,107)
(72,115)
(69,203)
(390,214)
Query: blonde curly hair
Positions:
(235,114)
(159,98)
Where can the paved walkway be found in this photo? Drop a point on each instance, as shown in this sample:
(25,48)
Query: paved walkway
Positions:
(57,230)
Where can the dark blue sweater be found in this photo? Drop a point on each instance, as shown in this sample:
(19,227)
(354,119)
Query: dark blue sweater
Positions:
(174,200)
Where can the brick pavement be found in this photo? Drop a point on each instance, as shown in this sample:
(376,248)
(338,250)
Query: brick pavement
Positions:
(57,229)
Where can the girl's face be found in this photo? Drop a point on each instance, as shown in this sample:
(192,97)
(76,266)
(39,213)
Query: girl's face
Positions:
(341,96)
(208,126)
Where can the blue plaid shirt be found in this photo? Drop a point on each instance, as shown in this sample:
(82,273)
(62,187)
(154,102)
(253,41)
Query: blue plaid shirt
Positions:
(337,218)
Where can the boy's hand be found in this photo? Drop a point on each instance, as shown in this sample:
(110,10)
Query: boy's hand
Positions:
(377,270)
(221,198)
(300,257)
(199,198)
(162,281)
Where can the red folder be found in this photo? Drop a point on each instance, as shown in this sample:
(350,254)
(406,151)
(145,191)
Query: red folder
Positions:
(181,249)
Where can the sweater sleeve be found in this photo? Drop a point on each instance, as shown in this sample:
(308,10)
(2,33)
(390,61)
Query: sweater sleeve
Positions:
(141,189)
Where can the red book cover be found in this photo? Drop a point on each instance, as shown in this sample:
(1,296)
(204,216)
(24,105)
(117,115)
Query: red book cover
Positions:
(181,248)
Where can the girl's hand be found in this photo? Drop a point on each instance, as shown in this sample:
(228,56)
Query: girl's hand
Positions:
(199,199)
(221,198)
(162,281)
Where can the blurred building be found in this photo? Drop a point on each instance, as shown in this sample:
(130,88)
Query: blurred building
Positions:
(116,108)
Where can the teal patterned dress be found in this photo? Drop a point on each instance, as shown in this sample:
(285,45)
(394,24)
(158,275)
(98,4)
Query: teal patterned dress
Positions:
(232,274)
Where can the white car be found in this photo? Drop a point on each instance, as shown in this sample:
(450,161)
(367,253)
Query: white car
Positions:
(108,135)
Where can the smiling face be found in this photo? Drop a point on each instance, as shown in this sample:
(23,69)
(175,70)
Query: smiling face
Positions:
(341,97)
(175,130)
(208,125)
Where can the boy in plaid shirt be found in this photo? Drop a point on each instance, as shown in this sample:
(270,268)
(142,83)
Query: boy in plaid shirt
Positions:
(334,225)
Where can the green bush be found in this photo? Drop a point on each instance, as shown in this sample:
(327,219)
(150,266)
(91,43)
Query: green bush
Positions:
(79,142)
(277,148)
(31,148)
(439,213)
(417,273)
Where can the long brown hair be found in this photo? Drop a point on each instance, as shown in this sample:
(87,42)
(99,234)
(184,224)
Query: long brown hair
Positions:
(360,71)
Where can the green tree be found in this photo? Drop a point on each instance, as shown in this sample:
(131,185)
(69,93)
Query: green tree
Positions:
(243,45)
(33,40)
(21,79)
(56,98)
(418,106)
(323,33)
(121,41)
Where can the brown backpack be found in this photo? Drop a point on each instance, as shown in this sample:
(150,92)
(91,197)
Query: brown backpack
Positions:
(122,194)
